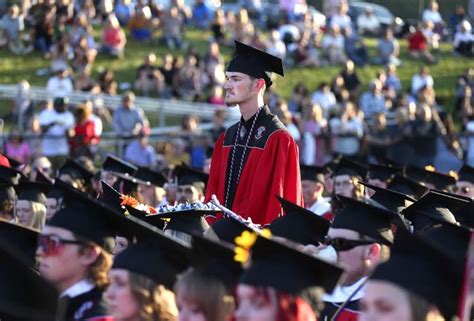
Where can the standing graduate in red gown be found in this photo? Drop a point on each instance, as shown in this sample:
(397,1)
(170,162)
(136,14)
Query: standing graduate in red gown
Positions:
(256,158)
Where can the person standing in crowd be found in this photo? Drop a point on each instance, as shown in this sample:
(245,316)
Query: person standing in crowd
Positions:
(312,182)
(56,125)
(257,158)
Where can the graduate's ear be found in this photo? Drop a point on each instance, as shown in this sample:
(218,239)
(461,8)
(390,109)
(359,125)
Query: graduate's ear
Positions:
(372,254)
(259,84)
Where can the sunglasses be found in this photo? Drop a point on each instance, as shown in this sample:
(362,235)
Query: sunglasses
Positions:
(52,244)
(341,244)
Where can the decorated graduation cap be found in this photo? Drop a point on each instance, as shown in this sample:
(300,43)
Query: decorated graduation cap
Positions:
(368,220)
(215,260)
(150,177)
(285,268)
(407,186)
(9,175)
(75,170)
(392,200)
(187,221)
(466,173)
(144,216)
(24,295)
(117,165)
(33,192)
(313,173)
(432,208)
(160,258)
(421,268)
(255,63)
(383,172)
(110,197)
(299,224)
(349,167)
(226,229)
(22,239)
(452,239)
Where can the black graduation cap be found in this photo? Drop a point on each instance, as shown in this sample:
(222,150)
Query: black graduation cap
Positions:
(255,63)
(160,258)
(226,229)
(452,239)
(75,170)
(285,268)
(7,193)
(428,176)
(466,173)
(189,176)
(372,221)
(117,165)
(41,177)
(215,260)
(432,208)
(142,215)
(110,197)
(421,268)
(350,167)
(186,221)
(407,186)
(33,191)
(313,173)
(150,177)
(129,184)
(9,175)
(465,214)
(390,199)
(383,172)
(299,224)
(22,239)
(13,162)
(24,295)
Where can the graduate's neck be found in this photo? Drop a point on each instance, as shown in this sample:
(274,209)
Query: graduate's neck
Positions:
(66,284)
(250,108)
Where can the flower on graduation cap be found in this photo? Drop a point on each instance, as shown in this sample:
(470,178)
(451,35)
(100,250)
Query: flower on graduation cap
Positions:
(244,244)
(132,202)
(430,168)
(453,174)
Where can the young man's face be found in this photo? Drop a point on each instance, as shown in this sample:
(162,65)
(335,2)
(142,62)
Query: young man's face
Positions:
(238,88)
(344,185)
(61,265)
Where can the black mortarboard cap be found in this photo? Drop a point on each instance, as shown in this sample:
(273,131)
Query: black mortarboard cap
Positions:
(110,197)
(24,295)
(75,170)
(186,221)
(432,208)
(421,268)
(285,268)
(452,239)
(128,184)
(313,173)
(189,176)
(160,258)
(33,191)
(9,175)
(14,162)
(117,165)
(372,221)
(299,224)
(255,63)
(465,214)
(383,172)
(390,199)
(351,168)
(142,215)
(41,177)
(226,229)
(22,239)
(466,173)
(407,186)
(215,260)
(439,180)
(150,177)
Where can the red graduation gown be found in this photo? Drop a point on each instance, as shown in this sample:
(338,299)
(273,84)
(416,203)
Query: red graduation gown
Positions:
(271,168)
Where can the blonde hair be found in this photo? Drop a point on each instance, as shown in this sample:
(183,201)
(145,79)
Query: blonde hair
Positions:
(156,302)
(217,304)
(38,215)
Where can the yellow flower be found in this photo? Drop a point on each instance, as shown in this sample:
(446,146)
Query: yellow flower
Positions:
(241,255)
(266,233)
(246,240)
(454,174)
(430,168)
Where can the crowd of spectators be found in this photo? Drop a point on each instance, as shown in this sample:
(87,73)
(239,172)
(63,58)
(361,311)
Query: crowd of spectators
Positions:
(378,119)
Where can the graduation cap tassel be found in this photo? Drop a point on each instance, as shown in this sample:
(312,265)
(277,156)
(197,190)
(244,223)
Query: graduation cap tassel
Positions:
(235,216)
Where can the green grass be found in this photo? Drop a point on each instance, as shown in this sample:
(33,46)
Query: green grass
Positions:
(15,68)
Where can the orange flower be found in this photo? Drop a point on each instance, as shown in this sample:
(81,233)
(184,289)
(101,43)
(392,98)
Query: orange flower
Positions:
(128,200)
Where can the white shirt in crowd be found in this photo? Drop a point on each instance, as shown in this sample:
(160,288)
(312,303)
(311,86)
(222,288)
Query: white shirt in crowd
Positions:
(418,81)
(59,87)
(327,101)
(368,22)
(320,207)
(433,16)
(342,21)
(63,122)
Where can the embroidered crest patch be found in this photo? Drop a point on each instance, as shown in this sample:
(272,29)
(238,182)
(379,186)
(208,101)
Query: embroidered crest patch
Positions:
(260,131)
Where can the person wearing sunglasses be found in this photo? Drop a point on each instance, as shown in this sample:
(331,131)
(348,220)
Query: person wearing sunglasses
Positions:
(465,184)
(74,254)
(362,235)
